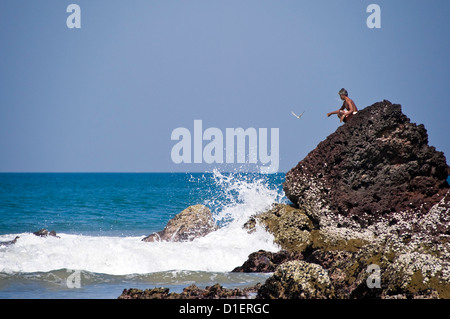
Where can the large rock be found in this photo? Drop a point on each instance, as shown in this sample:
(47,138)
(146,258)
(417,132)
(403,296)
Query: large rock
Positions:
(297,280)
(373,194)
(290,226)
(266,261)
(195,221)
(377,164)
(413,264)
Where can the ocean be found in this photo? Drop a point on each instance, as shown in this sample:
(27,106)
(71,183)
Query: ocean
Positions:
(101,218)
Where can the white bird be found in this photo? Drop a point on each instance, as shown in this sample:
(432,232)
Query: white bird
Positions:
(297,116)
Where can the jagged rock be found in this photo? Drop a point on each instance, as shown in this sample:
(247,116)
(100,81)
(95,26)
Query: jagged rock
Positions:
(297,280)
(195,221)
(409,270)
(266,261)
(44,233)
(375,194)
(9,242)
(377,164)
(290,226)
(192,292)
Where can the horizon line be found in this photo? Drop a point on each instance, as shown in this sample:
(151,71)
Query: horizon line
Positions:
(149,172)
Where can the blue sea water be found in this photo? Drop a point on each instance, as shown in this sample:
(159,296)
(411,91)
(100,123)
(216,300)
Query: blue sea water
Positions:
(101,218)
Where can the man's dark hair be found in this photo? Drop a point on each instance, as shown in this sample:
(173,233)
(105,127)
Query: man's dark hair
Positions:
(343,92)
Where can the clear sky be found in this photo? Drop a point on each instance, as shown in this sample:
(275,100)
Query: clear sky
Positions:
(107,96)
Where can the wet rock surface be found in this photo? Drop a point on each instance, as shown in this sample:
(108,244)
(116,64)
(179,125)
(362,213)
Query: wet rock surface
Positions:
(193,222)
(266,261)
(9,242)
(44,233)
(192,292)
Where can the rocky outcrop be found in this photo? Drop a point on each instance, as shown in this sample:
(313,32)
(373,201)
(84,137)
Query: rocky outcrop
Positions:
(297,280)
(266,261)
(370,217)
(290,226)
(376,165)
(372,197)
(44,233)
(414,264)
(192,292)
(195,221)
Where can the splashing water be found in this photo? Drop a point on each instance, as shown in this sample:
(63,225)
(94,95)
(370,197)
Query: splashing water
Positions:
(232,198)
(240,196)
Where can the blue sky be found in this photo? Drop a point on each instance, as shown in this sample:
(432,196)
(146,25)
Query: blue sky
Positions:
(106,97)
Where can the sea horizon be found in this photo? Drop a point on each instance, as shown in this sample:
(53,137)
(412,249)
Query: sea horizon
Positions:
(101,218)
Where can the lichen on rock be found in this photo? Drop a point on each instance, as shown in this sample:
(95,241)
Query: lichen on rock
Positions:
(297,280)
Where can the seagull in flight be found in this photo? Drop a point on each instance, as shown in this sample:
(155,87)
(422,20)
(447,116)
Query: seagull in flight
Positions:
(298,116)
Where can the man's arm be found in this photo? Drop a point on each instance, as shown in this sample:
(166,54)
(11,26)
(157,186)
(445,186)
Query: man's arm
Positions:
(334,112)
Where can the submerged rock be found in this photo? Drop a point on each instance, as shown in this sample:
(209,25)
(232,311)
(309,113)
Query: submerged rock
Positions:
(195,221)
(266,261)
(9,242)
(44,233)
(192,292)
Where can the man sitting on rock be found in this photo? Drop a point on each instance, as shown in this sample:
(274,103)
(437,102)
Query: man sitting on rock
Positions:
(348,104)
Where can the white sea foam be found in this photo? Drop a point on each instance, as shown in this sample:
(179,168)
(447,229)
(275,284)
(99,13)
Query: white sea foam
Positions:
(219,251)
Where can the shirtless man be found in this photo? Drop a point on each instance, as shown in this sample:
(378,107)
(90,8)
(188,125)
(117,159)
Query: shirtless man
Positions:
(348,108)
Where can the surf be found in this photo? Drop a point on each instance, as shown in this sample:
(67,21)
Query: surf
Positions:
(240,196)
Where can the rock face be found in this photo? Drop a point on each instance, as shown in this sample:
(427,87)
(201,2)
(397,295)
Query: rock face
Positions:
(297,280)
(266,261)
(291,227)
(377,164)
(195,221)
(372,197)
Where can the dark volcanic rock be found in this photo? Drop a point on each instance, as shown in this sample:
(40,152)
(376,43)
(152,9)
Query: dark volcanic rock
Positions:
(44,233)
(376,195)
(266,261)
(195,221)
(9,242)
(192,292)
(377,164)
